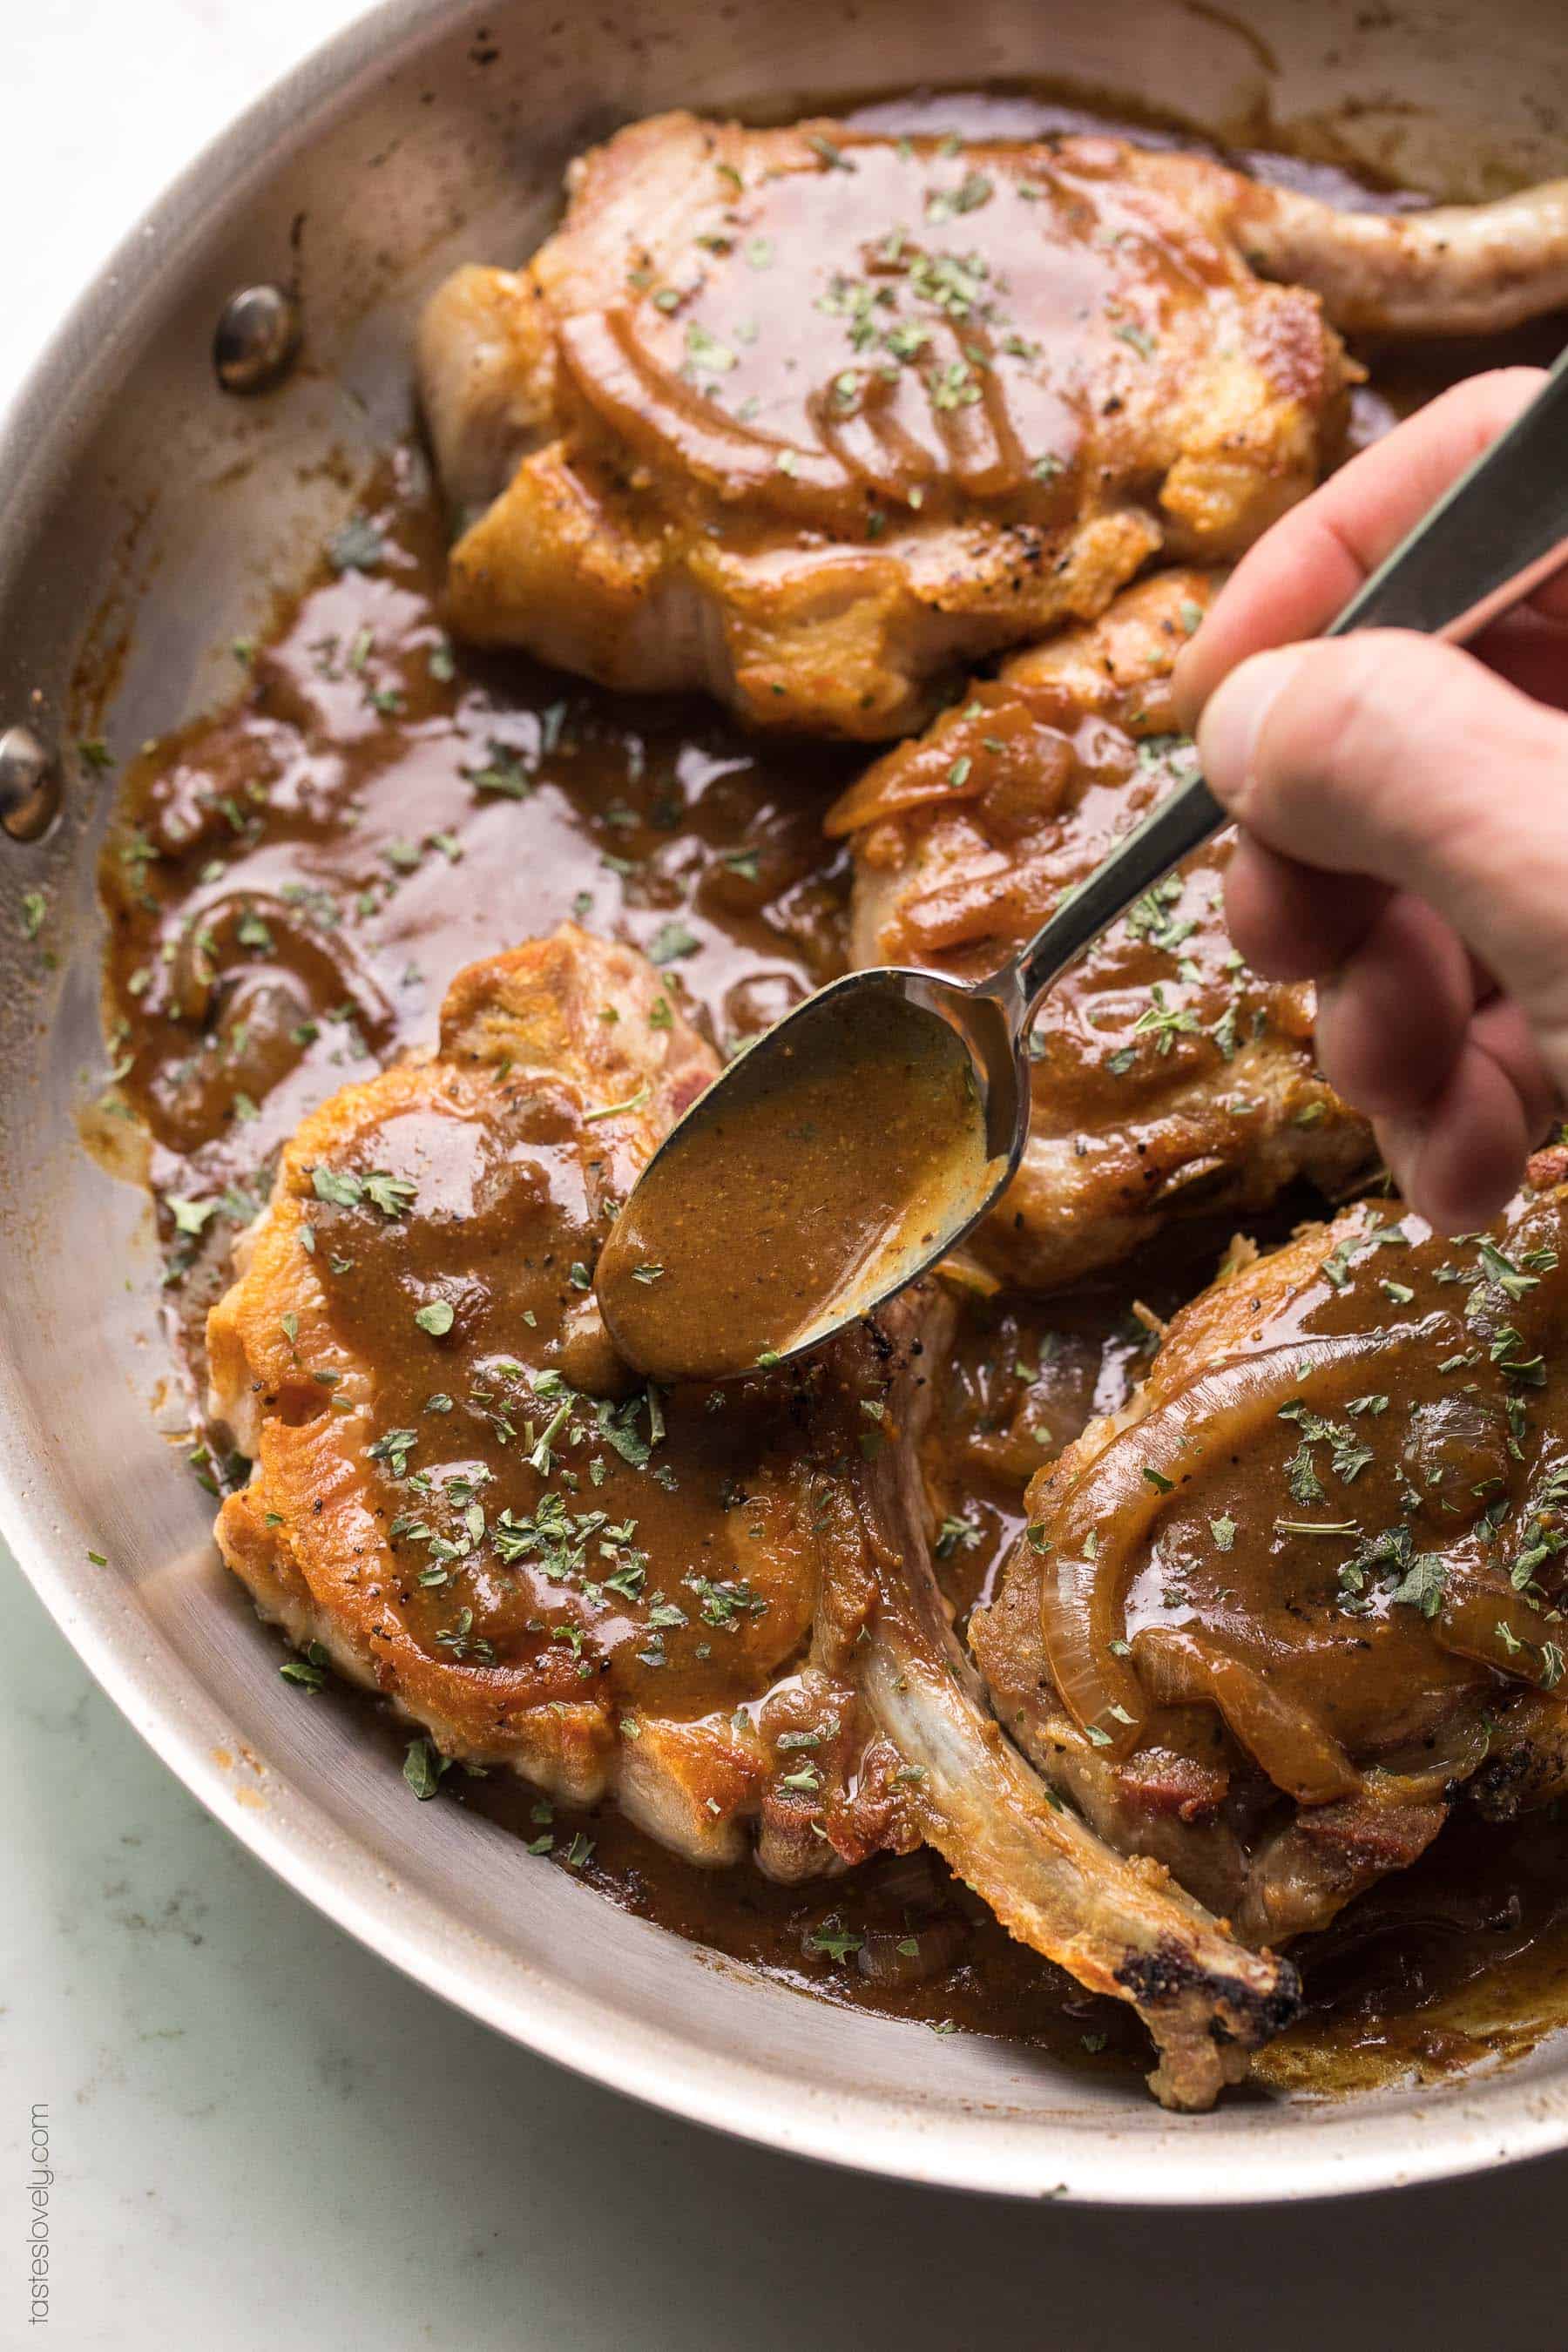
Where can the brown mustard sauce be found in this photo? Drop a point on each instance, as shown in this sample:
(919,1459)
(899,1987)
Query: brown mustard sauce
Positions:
(1434,1440)
(831,1163)
(290,885)
(906,403)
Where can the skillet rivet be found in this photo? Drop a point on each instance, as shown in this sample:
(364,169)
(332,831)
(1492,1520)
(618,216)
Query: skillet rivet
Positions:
(256,337)
(30,785)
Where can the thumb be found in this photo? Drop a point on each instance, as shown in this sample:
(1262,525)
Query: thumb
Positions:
(1400,758)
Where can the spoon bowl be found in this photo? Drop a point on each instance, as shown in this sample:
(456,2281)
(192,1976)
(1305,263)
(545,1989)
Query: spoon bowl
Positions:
(845,1149)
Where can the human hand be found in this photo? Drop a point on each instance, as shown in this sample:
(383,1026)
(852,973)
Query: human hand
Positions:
(1403,813)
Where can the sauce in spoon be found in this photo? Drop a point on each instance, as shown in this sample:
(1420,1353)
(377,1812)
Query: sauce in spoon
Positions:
(826,1173)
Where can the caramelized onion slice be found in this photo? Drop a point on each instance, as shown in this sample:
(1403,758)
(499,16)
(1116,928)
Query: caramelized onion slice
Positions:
(871,444)
(1427,1768)
(1122,1926)
(1178,1668)
(1104,1520)
(206,952)
(918,774)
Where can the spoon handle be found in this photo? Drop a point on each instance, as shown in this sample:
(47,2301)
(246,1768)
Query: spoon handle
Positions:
(1497,533)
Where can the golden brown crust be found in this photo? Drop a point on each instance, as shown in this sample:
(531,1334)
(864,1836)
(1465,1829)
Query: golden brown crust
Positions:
(309,1534)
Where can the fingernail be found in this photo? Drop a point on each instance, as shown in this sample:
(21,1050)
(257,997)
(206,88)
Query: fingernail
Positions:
(1234,717)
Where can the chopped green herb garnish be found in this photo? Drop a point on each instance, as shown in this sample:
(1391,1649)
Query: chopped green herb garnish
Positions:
(357,547)
(1421,1586)
(954,1532)
(836,1941)
(617,1111)
(310,1672)
(833,157)
(424,1766)
(189,1216)
(670,941)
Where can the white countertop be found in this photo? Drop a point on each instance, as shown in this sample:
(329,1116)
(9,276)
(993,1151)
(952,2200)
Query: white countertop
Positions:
(261,2135)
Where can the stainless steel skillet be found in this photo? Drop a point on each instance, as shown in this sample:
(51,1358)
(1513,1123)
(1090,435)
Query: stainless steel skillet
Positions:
(142,513)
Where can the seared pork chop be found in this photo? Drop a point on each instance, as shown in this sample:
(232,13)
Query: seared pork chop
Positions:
(462,1493)
(809,417)
(1169,1078)
(1264,1623)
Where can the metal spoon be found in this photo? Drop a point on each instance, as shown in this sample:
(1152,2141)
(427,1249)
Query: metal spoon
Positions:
(1497,533)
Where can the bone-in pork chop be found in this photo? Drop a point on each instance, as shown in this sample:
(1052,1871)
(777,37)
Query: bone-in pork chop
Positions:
(1267,1622)
(463,1495)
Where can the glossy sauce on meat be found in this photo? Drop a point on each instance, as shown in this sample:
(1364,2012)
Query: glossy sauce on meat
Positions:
(1303,1596)
(1337,1518)
(1030,797)
(644,1559)
(291,884)
(974,308)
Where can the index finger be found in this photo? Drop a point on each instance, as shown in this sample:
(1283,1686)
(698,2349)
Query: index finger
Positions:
(1310,565)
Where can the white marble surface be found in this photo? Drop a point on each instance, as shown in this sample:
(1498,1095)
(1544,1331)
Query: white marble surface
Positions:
(260,2133)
